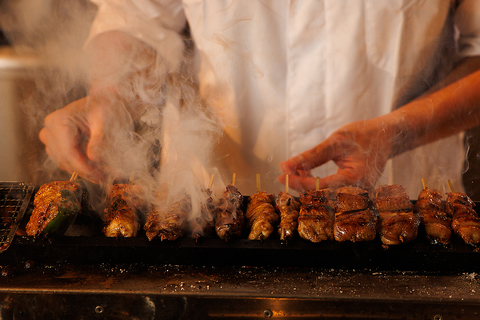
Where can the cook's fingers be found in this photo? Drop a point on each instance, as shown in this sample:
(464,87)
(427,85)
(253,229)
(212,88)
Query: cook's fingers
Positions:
(318,155)
(96,142)
(310,183)
(62,149)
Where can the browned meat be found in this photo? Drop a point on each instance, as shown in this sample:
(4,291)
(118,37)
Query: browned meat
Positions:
(465,220)
(391,198)
(354,219)
(168,220)
(323,196)
(204,225)
(356,226)
(288,208)
(431,210)
(398,223)
(316,216)
(50,200)
(315,222)
(350,202)
(121,214)
(398,227)
(229,220)
(455,199)
(261,215)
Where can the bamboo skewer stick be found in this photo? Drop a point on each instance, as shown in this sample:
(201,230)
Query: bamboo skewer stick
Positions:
(233,179)
(317,184)
(211,181)
(424,184)
(74,176)
(286,183)
(450,186)
(258,183)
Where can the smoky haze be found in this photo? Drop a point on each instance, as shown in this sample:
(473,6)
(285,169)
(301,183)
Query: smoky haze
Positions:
(171,143)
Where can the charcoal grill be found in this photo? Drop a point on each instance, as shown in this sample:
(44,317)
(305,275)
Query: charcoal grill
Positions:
(14,200)
(96,277)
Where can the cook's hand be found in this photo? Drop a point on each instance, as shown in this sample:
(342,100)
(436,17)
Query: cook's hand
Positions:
(76,136)
(359,149)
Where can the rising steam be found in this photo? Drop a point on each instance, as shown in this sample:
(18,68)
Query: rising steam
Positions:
(170,144)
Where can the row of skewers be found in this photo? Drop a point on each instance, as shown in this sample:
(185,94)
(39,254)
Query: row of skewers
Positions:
(344,214)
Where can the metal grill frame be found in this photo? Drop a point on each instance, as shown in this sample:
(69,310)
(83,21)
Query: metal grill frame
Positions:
(14,200)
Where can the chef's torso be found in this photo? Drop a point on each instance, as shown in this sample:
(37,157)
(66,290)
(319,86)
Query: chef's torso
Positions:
(282,75)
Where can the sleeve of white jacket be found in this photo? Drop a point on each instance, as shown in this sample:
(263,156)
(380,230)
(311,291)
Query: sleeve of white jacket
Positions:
(467,20)
(156,23)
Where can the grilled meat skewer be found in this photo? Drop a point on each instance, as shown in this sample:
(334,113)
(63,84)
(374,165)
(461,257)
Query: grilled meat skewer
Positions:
(398,223)
(204,225)
(465,220)
(354,218)
(121,218)
(57,204)
(288,208)
(168,218)
(229,219)
(431,210)
(316,216)
(261,215)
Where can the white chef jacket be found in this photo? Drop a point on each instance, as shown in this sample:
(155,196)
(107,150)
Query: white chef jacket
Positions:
(281,75)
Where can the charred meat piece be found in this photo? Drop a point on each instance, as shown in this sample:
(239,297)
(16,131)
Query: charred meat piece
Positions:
(230,219)
(465,220)
(57,204)
(316,216)
(315,222)
(168,218)
(204,224)
(390,198)
(288,208)
(261,215)
(121,214)
(398,223)
(431,210)
(356,225)
(322,196)
(354,219)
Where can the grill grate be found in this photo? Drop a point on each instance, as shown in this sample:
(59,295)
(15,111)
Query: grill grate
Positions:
(14,200)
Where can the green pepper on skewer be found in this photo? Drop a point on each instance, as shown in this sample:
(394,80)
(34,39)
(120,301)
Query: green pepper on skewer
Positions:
(68,209)
(57,204)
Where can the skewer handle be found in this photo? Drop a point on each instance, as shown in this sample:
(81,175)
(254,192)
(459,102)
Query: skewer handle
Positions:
(74,176)
(424,184)
(258,182)
(450,186)
(286,183)
(211,181)
(233,179)
(317,184)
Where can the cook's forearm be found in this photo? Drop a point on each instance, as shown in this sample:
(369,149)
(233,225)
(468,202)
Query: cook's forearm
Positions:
(436,115)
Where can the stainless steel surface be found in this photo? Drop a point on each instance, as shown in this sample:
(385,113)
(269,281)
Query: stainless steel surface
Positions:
(14,200)
(183,292)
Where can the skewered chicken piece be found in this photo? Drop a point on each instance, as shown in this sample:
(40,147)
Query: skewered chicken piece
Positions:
(168,220)
(288,208)
(431,210)
(465,220)
(261,215)
(204,225)
(398,223)
(57,204)
(121,218)
(315,220)
(229,220)
(354,219)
